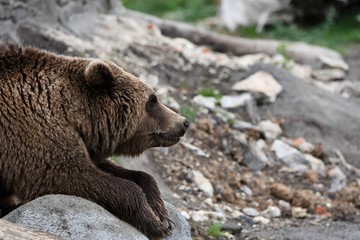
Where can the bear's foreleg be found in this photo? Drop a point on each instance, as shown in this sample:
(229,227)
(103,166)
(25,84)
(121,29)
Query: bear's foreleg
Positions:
(147,184)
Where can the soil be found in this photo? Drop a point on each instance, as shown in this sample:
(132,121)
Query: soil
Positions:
(329,215)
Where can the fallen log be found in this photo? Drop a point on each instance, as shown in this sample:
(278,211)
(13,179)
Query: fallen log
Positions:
(300,52)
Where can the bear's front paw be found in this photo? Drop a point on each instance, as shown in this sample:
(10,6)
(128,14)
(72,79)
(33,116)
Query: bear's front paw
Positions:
(157,230)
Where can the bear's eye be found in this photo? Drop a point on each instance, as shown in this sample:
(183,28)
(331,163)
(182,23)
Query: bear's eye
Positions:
(153,99)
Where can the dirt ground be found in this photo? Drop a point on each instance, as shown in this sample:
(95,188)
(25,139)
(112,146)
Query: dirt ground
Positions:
(330,215)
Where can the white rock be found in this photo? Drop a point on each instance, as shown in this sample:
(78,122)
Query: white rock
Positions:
(301,71)
(251,59)
(171,103)
(201,182)
(245,189)
(284,204)
(327,75)
(271,130)
(259,160)
(316,164)
(208,102)
(272,212)
(290,156)
(252,212)
(234,101)
(242,125)
(199,216)
(332,62)
(261,83)
(196,149)
(236,214)
(261,220)
(298,212)
(185,215)
(338,179)
(223,114)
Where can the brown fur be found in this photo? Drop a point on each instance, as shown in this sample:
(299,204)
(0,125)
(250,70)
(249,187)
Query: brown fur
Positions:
(62,117)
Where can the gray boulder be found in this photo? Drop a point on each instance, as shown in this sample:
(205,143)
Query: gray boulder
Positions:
(72,217)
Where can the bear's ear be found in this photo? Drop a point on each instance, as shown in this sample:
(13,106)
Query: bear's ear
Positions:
(98,76)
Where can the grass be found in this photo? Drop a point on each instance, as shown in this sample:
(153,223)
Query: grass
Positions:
(189,112)
(182,10)
(335,32)
(210,92)
(214,230)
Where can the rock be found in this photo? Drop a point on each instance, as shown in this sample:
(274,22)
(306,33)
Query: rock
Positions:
(311,175)
(207,102)
(303,198)
(171,103)
(271,130)
(284,204)
(281,191)
(261,220)
(201,182)
(251,59)
(327,75)
(245,189)
(150,79)
(252,212)
(338,179)
(298,212)
(232,227)
(301,71)
(262,84)
(202,216)
(194,148)
(253,111)
(234,101)
(256,158)
(331,62)
(316,164)
(300,143)
(242,125)
(72,217)
(228,194)
(271,212)
(290,156)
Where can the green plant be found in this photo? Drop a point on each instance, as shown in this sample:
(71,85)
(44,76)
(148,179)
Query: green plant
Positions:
(231,122)
(188,112)
(214,230)
(184,10)
(210,92)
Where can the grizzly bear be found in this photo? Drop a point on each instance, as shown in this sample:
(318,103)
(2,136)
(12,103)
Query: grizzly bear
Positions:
(61,118)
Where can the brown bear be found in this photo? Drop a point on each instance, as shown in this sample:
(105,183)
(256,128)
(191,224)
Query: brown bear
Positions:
(61,118)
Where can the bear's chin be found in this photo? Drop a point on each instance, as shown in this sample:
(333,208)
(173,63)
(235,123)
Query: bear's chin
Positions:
(167,140)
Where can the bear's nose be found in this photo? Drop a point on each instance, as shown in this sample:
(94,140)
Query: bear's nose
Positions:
(186,123)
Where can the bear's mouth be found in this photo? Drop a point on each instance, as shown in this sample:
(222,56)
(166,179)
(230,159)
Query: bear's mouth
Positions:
(167,139)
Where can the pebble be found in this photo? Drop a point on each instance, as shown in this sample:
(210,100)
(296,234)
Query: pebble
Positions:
(261,220)
(186,215)
(298,212)
(234,101)
(201,182)
(252,212)
(327,75)
(245,189)
(333,62)
(271,212)
(271,130)
(284,204)
(260,83)
(281,191)
(338,179)
(316,164)
(199,216)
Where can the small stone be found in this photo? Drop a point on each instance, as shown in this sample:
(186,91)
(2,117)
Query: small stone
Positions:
(261,84)
(228,194)
(209,202)
(186,215)
(327,75)
(320,210)
(298,212)
(331,62)
(242,125)
(251,59)
(171,103)
(201,182)
(261,220)
(194,148)
(284,204)
(245,189)
(281,191)
(338,179)
(231,226)
(256,158)
(311,176)
(207,102)
(316,164)
(301,71)
(301,144)
(271,130)
(234,101)
(271,212)
(236,214)
(199,216)
(150,79)
(303,198)
(252,212)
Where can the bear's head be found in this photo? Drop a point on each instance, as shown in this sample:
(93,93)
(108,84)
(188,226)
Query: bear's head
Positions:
(129,117)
